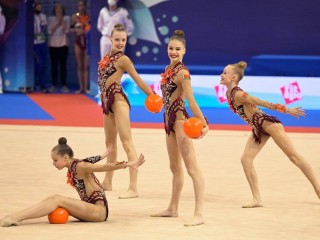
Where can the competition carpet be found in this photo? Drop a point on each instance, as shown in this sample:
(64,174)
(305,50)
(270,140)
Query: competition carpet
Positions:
(83,111)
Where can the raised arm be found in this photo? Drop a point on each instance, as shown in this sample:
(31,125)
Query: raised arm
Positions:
(128,66)
(244,97)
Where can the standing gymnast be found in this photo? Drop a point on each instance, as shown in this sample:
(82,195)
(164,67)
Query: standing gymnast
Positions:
(116,106)
(93,206)
(176,86)
(263,126)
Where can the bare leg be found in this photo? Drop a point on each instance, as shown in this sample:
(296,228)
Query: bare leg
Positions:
(177,179)
(110,131)
(250,152)
(189,156)
(121,113)
(283,141)
(76,208)
(79,59)
(86,72)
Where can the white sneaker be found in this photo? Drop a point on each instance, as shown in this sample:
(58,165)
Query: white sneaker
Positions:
(53,89)
(65,89)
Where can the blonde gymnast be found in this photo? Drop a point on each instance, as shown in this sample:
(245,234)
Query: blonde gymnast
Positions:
(263,126)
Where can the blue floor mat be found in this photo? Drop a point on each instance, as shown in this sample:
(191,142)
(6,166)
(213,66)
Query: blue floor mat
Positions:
(21,107)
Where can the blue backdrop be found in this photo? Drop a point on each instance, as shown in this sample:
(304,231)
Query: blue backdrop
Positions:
(217,33)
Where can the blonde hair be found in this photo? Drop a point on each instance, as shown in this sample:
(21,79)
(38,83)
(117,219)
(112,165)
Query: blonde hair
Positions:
(238,68)
(179,35)
(118,27)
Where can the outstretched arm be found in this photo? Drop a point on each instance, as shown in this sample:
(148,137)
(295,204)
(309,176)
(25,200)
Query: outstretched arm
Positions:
(244,97)
(296,112)
(89,167)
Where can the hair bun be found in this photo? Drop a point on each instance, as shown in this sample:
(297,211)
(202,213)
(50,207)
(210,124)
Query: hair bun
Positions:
(62,141)
(242,64)
(118,25)
(179,33)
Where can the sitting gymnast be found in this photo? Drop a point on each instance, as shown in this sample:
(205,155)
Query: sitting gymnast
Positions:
(93,206)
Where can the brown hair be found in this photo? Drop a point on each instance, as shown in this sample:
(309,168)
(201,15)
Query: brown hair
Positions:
(63,148)
(238,68)
(56,5)
(118,27)
(179,35)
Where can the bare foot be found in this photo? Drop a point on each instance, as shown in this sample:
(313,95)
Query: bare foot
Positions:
(9,221)
(129,194)
(196,221)
(252,205)
(165,213)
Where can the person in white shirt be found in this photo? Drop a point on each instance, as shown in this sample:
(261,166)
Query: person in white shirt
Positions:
(108,18)
(40,46)
(58,29)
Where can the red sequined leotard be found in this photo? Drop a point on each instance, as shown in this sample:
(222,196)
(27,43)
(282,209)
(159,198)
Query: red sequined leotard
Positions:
(93,193)
(172,106)
(109,90)
(258,117)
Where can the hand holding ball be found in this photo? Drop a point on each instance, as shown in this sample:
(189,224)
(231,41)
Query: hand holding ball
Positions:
(193,127)
(154,103)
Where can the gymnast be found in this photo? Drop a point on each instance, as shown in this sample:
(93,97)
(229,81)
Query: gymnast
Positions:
(263,126)
(93,206)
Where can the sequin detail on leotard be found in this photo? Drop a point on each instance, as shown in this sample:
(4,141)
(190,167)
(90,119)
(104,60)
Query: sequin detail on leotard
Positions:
(98,195)
(168,87)
(258,117)
(107,93)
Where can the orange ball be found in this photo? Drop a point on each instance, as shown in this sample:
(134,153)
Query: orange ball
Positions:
(58,216)
(193,127)
(154,103)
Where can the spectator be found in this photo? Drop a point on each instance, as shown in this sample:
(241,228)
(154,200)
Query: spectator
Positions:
(108,17)
(40,47)
(80,23)
(58,29)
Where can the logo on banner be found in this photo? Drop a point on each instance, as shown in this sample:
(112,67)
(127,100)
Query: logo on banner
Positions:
(291,92)
(221,93)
